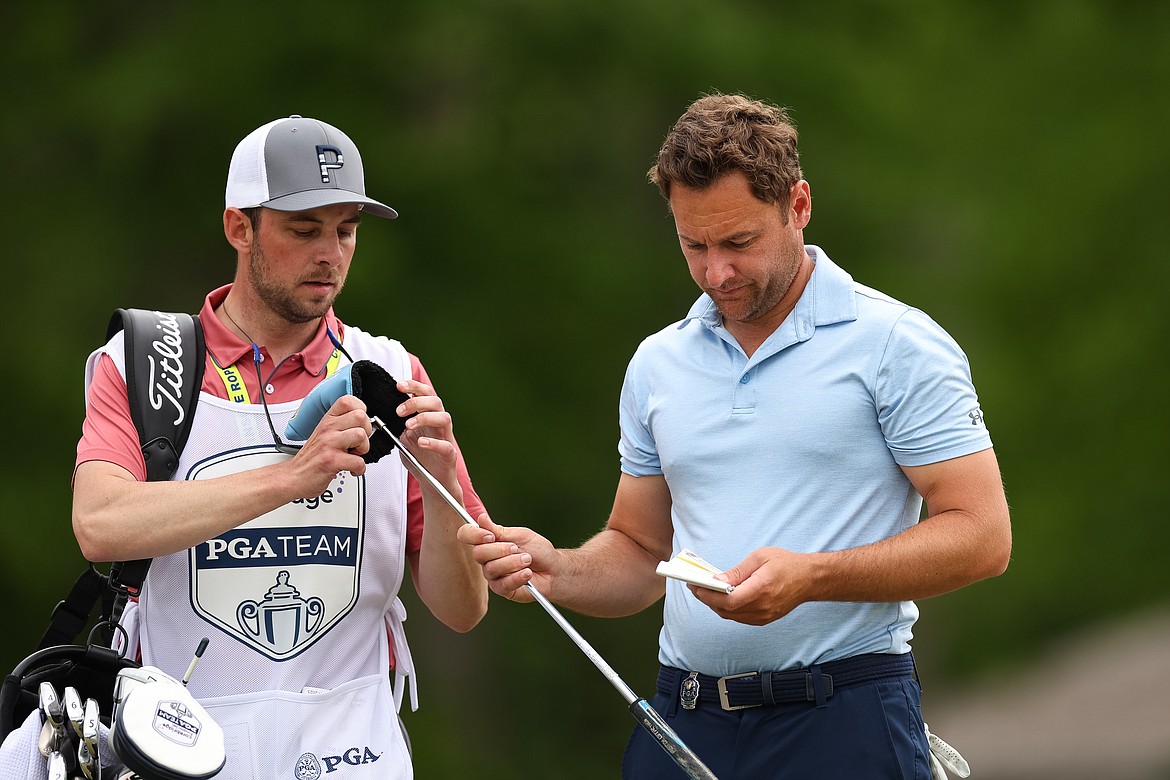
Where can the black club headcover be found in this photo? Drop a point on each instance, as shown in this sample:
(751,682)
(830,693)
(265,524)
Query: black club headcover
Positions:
(379,392)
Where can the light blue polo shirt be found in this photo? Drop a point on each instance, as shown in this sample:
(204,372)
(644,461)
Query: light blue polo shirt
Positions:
(798,447)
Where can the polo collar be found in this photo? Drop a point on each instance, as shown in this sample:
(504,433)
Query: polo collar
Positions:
(827,298)
(227,348)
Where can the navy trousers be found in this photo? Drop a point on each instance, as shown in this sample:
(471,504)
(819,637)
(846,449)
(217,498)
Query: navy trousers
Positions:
(871,731)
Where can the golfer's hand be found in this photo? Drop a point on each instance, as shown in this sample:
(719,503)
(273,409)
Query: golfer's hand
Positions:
(429,433)
(767,587)
(510,557)
(336,444)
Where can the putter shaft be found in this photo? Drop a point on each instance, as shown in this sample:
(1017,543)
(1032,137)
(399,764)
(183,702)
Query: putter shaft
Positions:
(639,708)
(601,664)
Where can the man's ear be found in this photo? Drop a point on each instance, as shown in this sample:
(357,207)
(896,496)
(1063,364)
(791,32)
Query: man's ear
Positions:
(800,203)
(237,228)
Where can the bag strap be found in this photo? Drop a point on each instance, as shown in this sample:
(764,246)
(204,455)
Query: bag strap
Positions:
(164,371)
(165,357)
(72,612)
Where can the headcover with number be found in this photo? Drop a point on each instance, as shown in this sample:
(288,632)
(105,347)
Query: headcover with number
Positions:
(369,382)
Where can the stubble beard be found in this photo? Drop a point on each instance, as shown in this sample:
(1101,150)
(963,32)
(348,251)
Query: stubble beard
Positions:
(765,299)
(280,299)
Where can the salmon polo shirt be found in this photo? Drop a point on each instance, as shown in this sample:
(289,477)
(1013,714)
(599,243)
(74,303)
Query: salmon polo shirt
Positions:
(108,432)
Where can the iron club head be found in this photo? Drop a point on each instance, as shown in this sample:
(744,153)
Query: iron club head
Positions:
(51,706)
(57,770)
(74,710)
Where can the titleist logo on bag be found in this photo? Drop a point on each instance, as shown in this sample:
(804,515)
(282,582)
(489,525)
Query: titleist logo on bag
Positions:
(166,371)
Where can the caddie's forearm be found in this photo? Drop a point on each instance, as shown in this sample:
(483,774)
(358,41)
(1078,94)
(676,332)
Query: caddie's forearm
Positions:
(117,518)
(448,580)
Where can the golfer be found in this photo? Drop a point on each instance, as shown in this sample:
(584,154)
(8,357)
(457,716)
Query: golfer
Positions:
(290,563)
(788,429)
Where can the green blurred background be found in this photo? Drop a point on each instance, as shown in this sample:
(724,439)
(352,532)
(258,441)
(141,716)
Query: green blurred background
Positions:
(1001,165)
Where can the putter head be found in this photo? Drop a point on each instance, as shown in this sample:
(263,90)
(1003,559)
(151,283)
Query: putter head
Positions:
(160,731)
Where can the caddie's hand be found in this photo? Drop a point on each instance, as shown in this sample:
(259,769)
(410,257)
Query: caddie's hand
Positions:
(510,557)
(429,433)
(336,444)
(767,587)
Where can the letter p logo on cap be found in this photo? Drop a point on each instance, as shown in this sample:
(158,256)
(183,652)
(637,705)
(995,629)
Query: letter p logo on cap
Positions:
(333,161)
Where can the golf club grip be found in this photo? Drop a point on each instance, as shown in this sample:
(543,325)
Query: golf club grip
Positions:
(656,725)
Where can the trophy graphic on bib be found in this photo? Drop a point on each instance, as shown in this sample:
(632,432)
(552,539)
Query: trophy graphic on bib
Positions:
(282,619)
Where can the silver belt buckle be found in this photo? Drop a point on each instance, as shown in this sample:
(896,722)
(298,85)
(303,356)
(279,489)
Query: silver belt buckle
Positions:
(723,702)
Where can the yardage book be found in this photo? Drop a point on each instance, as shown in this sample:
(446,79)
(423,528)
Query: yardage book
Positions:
(688,567)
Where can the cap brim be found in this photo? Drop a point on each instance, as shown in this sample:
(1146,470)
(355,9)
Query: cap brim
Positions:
(313,199)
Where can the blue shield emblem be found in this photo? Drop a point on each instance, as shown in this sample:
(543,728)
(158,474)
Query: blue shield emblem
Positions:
(280,582)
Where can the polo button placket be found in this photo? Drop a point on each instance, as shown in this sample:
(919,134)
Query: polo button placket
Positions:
(745,396)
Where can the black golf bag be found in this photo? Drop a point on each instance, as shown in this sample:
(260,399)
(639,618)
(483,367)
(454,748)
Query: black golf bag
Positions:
(158,344)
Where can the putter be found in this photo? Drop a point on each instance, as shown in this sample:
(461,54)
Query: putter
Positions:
(370,382)
(646,715)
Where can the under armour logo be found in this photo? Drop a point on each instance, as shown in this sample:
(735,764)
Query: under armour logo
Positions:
(976,417)
(329,162)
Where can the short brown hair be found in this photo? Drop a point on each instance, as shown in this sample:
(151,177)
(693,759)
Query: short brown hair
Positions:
(718,134)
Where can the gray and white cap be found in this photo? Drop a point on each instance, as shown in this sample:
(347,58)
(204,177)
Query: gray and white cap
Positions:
(297,164)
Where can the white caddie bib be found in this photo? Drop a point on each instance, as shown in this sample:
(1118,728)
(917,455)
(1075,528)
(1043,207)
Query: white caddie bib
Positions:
(300,605)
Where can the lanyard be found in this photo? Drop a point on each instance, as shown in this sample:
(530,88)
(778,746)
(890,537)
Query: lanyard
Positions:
(237,391)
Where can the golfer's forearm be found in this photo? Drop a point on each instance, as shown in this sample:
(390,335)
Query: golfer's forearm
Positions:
(117,518)
(940,554)
(608,576)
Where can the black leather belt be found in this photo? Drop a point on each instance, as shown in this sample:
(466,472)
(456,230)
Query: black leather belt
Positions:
(757,689)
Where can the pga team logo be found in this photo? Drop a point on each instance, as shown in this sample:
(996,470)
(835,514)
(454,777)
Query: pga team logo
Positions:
(281,581)
(307,768)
